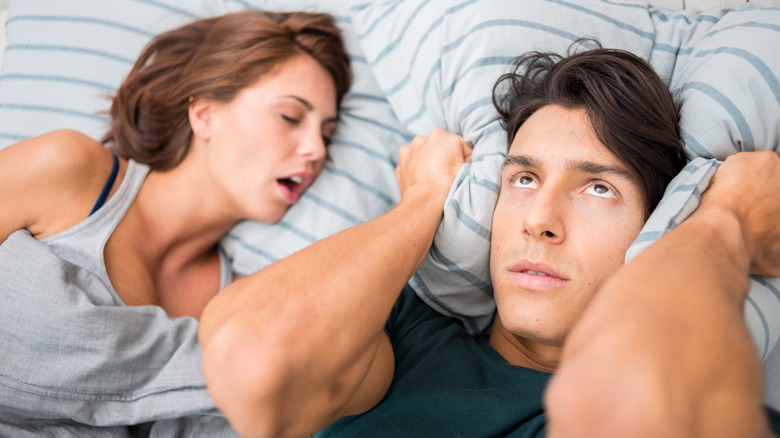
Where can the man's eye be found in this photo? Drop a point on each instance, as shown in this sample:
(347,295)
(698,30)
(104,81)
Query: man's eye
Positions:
(524,181)
(600,190)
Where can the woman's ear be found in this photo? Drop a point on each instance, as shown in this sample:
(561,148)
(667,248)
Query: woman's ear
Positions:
(201,112)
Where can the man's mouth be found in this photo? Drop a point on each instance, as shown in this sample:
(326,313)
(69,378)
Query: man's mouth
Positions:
(536,276)
(528,271)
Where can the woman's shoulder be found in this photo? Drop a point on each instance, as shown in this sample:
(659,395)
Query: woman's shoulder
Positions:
(63,150)
(54,152)
(51,177)
(63,159)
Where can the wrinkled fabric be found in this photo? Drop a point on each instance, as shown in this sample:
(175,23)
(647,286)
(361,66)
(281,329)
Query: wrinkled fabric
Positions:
(72,359)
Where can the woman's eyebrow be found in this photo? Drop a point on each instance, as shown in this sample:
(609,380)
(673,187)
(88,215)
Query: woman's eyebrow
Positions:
(303,101)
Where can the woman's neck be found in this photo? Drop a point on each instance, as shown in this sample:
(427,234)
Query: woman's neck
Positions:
(177,215)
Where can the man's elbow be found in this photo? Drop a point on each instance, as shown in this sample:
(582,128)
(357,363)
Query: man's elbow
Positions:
(246,386)
(631,403)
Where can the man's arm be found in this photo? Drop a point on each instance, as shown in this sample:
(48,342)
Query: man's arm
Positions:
(301,343)
(663,349)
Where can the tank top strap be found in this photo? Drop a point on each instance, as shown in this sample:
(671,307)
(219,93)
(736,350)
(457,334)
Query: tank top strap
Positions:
(107,186)
(117,205)
(83,243)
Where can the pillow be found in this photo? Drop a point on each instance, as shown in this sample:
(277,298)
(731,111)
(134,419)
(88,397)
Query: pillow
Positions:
(3,14)
(727,83)
(63,60)
(438,60)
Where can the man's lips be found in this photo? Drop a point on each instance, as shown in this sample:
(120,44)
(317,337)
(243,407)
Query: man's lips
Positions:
(536,276)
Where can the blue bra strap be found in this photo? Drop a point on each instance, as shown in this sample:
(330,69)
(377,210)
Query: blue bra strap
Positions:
(107,188)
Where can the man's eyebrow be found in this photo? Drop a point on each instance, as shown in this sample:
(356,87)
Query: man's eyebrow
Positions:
(580,166)
(309,107)
(596,168)
(521,160)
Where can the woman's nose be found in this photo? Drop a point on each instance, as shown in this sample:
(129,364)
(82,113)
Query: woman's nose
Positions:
(312,146)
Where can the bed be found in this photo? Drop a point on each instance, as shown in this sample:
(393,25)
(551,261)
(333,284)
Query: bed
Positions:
(420,65)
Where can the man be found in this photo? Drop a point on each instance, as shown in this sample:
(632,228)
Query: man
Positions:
(593,142)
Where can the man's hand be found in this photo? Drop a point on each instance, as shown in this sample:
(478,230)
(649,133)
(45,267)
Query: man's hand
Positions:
(430,163)
(748,185)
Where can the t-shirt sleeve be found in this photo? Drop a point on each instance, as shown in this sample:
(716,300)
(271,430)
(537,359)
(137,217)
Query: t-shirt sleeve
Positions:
(409,312)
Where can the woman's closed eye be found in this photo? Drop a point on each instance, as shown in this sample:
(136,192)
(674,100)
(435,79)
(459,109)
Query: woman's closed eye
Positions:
(290,119)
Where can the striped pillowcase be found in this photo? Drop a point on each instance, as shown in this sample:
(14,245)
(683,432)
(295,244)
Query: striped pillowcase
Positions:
(63,60)
(727,83)
(437,61)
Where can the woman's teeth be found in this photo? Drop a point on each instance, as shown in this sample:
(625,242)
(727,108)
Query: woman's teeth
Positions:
(296,179)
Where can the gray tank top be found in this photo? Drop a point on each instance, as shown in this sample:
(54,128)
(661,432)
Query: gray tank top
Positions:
(84,243)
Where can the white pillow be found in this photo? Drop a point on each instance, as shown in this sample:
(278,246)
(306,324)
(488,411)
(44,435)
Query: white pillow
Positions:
(438,60)
(727,83)
(64,58)
(3,14)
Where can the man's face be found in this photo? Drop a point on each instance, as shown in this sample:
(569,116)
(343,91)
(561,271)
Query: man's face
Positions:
(567,212)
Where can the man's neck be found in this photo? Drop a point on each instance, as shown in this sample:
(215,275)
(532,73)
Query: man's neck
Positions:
(524,352)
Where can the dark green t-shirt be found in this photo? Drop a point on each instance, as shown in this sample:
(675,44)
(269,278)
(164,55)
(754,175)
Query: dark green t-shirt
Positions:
(448,383)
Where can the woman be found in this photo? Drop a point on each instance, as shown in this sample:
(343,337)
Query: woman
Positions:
(221,120)
(230,115)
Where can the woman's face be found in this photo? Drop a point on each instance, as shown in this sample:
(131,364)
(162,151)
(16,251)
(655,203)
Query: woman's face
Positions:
(266,146)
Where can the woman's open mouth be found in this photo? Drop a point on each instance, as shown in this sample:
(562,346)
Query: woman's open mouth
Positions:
(292,187)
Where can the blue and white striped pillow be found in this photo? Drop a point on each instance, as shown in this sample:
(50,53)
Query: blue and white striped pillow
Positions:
(727,83)
(63,58)
(437,61)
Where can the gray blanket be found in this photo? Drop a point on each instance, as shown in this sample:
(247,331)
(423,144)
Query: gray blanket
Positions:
(75,361)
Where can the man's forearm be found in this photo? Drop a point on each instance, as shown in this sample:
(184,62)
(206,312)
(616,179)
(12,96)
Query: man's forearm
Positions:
(311,318)
(663,350)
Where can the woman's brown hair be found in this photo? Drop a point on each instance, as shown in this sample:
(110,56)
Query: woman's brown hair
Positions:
(212,58)
(629,106)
